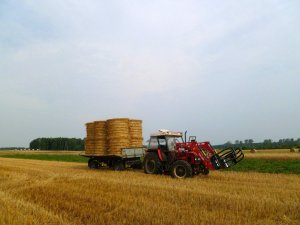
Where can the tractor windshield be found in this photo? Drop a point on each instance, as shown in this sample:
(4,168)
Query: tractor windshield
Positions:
(166,143)
(172,142)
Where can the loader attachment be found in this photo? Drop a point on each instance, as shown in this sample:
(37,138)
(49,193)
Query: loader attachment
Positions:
(227,157)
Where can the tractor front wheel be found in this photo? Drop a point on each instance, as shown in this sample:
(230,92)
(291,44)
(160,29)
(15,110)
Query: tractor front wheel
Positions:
(181,169)
(152,164)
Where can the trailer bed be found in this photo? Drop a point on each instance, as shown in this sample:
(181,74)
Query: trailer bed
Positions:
(128,157)
(126,153)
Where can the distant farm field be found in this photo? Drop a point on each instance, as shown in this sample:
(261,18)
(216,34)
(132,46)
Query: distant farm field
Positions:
(51,192)
(284,154)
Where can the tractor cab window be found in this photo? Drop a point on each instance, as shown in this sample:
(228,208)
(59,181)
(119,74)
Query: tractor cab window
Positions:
(165,143)
(172,143)
(162,143)
(153,143)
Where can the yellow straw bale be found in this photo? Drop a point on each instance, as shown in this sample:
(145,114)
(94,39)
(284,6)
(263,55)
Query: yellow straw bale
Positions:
(293,150)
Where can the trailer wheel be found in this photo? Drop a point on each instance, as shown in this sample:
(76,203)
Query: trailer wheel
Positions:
(93,164)
(152,164)
(181,169)
(119,165)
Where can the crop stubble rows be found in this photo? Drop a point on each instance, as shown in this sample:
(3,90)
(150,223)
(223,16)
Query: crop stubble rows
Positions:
(42,192)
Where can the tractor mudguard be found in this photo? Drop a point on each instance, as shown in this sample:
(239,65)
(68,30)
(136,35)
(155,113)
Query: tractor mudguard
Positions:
(227,157)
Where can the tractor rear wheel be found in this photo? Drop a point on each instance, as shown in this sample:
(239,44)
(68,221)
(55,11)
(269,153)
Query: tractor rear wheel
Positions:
(181,169)
(152,164)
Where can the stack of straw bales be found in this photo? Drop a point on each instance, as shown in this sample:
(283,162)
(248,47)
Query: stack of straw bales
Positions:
(117,135)
(110,136)
(135,131)
(100,137)
(253,150)
(90,138)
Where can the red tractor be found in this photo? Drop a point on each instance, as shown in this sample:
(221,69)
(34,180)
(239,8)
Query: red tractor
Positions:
(168,153)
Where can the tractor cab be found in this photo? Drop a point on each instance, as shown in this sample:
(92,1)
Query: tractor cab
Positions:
(164,140)
(164,156)
(164,143)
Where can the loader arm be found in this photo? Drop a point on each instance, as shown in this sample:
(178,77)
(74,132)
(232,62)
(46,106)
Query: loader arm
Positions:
(222,159)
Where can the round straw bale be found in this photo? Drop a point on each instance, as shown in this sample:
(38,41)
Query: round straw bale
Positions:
(253,150)
(100,129)
(100,146)
(118,122)
(293,150)
(89,146)
(134,122)
(136,142)
(90,130)
(118,135)
(135,130)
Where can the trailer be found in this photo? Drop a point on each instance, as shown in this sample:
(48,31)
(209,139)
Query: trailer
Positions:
(129,158)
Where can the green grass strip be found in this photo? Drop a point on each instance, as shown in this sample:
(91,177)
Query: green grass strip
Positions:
(48,157)
(268,166)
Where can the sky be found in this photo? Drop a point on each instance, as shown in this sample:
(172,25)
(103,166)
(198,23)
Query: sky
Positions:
(222,70)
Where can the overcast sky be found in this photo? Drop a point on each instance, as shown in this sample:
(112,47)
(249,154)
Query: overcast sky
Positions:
(223,70)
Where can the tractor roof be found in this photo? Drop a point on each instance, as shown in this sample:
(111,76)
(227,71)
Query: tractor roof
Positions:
(164,132)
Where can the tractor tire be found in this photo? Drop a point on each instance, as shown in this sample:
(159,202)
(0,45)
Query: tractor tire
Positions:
(93,164)
(152,164)
(181,169)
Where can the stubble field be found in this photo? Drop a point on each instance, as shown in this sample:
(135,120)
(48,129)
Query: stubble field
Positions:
(45,192)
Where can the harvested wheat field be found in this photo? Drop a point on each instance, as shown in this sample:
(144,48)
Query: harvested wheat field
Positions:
(283,154)
(43,192)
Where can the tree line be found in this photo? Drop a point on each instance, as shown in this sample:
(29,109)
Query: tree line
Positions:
(60,143)
(266,144)
(77,144)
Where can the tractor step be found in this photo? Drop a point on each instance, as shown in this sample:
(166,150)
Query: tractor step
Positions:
(227,157)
